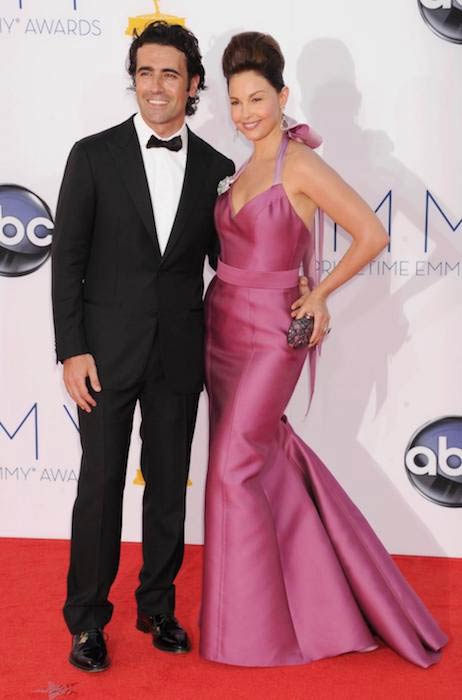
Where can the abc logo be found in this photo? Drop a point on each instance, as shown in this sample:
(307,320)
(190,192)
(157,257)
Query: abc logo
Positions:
(444,17)
(433,461)
(26,228)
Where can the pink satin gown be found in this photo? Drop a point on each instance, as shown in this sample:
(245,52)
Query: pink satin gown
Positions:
(292,571)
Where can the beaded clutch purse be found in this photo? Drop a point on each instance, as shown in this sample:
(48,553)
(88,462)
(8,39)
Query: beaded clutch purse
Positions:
(300,330)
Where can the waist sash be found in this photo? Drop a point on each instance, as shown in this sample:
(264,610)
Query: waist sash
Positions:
(280,279)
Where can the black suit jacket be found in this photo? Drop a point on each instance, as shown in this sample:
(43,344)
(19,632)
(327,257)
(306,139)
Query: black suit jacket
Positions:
(112,288)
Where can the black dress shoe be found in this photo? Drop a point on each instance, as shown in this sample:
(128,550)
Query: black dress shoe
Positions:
(167,634)
(89,651)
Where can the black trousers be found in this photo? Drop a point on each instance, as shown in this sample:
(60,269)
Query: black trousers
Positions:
(167,428)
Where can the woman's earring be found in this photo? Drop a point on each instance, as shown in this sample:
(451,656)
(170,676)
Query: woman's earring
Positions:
(236,133)
(284,123)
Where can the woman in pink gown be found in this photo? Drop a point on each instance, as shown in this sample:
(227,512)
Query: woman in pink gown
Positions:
(292,571)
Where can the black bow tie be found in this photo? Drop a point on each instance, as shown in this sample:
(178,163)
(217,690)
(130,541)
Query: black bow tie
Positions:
(174,144)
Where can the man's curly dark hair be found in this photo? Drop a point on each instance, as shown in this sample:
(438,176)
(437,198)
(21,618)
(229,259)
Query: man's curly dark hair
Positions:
(180,38)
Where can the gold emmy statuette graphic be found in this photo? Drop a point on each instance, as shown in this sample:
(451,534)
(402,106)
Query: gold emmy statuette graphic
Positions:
(140,22)
(139,481)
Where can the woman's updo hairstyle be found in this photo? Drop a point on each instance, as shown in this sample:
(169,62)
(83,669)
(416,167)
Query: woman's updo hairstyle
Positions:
(254,51)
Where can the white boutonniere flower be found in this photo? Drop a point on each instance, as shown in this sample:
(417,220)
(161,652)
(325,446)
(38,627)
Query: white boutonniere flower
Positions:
(224,184)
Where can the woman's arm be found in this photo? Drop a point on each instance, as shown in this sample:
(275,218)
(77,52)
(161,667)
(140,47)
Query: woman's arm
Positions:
(312,177)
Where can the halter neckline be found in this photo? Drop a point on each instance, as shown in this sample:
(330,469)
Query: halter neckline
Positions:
(277,177)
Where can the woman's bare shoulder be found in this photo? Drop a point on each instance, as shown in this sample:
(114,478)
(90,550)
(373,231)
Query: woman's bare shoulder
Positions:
(301,156)
(303,164)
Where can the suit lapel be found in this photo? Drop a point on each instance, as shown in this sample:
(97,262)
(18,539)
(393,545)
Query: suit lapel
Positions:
(190,193)
(126,151)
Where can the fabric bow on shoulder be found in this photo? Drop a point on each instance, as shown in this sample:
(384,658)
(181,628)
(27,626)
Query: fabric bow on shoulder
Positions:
(303,133)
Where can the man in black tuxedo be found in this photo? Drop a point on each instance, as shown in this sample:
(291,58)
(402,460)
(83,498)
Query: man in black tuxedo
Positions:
(134,222)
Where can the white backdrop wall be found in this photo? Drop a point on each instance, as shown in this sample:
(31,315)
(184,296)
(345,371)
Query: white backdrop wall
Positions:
(385,92)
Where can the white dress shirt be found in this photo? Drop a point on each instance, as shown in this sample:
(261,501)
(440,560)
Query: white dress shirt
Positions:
(165,174)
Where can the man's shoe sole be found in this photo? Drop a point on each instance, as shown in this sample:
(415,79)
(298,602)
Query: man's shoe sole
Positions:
(89,670)
(170,651)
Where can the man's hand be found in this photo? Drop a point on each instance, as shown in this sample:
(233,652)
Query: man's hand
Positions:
(76,371)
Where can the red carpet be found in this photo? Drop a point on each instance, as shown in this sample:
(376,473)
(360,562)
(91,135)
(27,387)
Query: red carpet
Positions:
(34,642)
